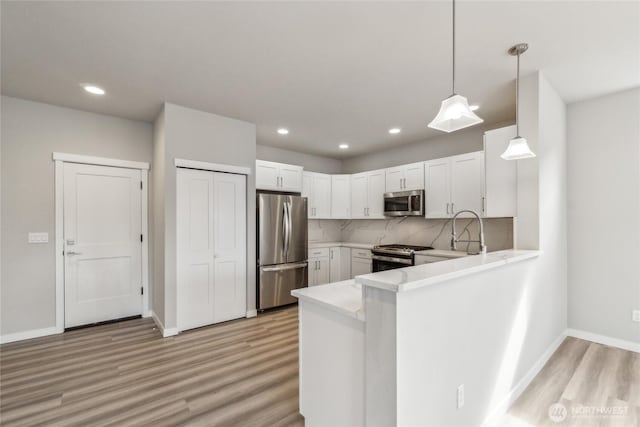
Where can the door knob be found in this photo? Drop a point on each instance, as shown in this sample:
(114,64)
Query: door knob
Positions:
(74,253)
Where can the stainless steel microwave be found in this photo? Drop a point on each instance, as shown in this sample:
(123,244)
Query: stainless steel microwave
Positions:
(404,203)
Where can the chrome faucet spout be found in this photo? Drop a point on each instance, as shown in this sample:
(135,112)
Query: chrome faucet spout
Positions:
(454,237)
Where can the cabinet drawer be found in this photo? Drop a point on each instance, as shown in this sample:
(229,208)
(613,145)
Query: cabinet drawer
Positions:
(361,253)
(319,252)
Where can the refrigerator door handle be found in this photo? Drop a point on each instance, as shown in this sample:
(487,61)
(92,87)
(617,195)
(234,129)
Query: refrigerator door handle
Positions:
(290,227)
(284,267)
(285,225)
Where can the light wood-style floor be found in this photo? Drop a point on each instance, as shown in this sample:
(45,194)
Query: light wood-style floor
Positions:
(240,373)
(245,373)
(585,378)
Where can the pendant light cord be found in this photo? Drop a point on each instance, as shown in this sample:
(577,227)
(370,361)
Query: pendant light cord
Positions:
(453,83)
(518,96)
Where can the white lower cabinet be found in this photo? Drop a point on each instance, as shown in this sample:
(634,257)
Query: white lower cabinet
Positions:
(319,266)
(340,262)
(360,262)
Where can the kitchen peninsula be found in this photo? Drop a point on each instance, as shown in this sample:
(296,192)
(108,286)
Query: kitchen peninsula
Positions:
(392,348)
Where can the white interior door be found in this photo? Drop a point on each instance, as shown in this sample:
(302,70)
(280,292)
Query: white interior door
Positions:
(102,243)
(229,243)
(194,232)
(211,247)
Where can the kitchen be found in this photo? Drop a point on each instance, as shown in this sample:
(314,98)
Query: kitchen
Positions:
(235,213)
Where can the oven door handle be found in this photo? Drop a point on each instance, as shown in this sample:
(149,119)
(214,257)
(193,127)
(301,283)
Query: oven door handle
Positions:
(404,261)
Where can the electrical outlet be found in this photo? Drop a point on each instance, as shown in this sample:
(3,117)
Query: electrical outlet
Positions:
(460,396)
(635,315)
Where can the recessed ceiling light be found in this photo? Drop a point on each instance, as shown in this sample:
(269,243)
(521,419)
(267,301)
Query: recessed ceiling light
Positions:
(94,89)
(343,146)
(394,131)
(283,131)
(474,107)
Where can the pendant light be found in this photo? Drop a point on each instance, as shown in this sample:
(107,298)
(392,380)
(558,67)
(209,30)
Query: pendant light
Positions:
(454,111)
(518,147)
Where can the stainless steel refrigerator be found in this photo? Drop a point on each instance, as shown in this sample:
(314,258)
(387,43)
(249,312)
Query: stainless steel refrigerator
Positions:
(282,248)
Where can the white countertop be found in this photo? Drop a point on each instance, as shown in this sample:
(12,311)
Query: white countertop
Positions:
(442,253)
(408,278)
(316,245)
(343,297)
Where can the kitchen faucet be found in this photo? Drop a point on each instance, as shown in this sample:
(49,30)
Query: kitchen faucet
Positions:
(454,238)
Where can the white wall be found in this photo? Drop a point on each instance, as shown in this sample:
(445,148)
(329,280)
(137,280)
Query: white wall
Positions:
(310,162)
(444,145)
(196,135)
(30,133)
(157,211)
(486,330)
(604,214)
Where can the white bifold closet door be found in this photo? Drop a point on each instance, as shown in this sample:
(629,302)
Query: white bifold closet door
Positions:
(211,247)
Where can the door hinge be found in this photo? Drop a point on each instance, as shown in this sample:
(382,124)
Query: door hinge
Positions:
(141,290)
(141,238)
(141,185)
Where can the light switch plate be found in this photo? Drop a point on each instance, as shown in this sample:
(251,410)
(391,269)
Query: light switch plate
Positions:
(635,315)
(39,237)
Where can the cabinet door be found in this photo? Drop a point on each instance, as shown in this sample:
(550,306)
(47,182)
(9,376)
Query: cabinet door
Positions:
(334,261)
(291,178)
(322,195)
(467,177)
(359,195)
(414,176)
(341,196)
(394,178)
(376,194)
(307,191)
(500,176)
(345,263)
(313,272)
(324,271)
(360,266)
(437,185)
(267,175)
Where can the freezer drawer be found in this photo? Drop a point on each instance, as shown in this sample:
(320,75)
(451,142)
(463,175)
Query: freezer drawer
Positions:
(277,281)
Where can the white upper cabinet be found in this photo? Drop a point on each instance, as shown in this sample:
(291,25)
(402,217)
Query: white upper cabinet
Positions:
(367,194)
(341,196)
(467,183)
(278,177)
(359,195)
(500,184)
(405,177)
(453,184)
(437,184)
(317,188)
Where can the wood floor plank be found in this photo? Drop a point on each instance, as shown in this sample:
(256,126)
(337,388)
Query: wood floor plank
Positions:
(127,374)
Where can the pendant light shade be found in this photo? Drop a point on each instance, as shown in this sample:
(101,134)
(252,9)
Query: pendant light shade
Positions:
(518,147)
(454,114)
(454,111)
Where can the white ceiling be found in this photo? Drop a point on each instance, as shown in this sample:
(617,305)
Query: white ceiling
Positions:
(331,72)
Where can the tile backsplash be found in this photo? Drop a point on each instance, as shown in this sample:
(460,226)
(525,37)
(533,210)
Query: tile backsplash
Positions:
(414,231)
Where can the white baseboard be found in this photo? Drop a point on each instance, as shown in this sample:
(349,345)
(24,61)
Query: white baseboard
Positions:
(603,339)
(166,332)
(26,335)
(501,409)
(251,313)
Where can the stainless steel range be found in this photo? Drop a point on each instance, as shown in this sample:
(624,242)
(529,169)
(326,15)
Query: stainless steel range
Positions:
(388,257)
